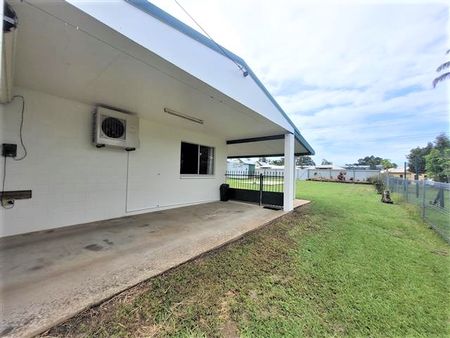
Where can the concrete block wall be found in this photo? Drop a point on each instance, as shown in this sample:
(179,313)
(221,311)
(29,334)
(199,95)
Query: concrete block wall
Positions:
(73,182)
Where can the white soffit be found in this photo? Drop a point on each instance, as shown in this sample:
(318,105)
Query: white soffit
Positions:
(181,50)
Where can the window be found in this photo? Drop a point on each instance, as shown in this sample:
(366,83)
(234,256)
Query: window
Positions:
(196,159)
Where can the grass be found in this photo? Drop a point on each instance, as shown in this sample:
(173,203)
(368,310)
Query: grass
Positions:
(347,265)
(269,184)
(438,217)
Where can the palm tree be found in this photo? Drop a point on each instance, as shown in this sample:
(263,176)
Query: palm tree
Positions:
(444,76)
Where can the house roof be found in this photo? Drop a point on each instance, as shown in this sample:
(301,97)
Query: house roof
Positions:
(397,170)
(168,19)
(328,166)
(248,161)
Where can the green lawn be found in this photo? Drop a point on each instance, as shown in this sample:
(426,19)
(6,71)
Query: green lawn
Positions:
(269,184)
(438,217)
(347,265)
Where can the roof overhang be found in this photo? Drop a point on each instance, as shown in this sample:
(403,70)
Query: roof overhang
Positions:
(120,56)
(272,145)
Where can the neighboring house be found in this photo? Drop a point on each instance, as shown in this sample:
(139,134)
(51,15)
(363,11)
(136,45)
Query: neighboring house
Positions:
(241,166)
(252,166)
(362,167)
(175,107)
(400,172)
(332,172)
(328,167)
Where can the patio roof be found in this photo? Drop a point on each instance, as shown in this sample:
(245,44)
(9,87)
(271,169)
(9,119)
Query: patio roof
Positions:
(177,24)
(120,56)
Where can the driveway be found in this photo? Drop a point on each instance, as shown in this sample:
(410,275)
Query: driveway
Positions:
(50,276)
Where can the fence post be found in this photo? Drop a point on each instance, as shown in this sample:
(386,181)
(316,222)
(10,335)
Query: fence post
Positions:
(261,183)
(423,199)
(404,182)
(405,188)
(417,188)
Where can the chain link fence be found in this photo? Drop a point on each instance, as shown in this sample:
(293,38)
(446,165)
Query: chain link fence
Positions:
(433,199)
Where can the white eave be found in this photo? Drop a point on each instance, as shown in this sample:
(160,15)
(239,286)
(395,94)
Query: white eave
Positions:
(140,21)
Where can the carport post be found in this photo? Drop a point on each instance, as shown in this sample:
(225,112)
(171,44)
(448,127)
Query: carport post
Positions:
(288,191)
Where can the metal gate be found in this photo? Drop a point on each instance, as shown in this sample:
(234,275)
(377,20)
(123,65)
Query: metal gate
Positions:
(262,187)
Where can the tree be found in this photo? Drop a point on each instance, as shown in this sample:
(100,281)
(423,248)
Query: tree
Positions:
(387,164)
(371,161)
(443,76)
(278,162)
(416,158)
(438,164)
(304,161)
(438,167)
(442,142)
(325,162)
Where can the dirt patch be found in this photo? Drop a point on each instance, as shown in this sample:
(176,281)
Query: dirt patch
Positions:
(229,330)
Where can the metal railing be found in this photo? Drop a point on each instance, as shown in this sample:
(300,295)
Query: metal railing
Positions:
(267,181)
(433,199)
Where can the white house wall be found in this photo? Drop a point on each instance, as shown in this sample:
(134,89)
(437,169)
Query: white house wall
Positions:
(73,182)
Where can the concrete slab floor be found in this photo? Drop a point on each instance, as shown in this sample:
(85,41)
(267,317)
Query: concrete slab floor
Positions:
(50,276)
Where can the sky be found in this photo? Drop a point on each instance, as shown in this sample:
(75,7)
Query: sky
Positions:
(354,76)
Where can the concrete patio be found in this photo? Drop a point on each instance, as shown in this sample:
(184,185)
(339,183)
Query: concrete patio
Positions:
(50,276)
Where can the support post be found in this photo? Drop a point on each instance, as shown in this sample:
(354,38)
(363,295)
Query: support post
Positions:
(294,181)
(261,187)
(288,193)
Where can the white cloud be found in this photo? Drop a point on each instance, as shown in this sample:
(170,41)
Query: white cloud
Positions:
(356,78)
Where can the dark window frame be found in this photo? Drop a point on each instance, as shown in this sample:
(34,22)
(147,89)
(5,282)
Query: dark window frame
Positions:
(196,166)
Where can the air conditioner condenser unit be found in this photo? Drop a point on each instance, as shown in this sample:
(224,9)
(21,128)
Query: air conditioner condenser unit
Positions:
(115,128)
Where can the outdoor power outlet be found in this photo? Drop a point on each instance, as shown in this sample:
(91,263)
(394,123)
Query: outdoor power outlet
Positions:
(9,203)
(9,150)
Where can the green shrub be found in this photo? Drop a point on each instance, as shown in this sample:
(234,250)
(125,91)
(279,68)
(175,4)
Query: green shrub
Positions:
(378,182)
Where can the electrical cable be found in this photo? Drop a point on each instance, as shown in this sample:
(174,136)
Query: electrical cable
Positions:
(25,153)
(224,52)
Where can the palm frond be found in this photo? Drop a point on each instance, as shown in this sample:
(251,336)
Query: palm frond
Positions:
(441,78)
(443,66)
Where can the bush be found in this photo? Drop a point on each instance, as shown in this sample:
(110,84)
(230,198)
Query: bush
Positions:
(378,182)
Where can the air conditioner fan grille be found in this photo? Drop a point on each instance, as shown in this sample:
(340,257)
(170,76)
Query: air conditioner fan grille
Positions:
(114,128)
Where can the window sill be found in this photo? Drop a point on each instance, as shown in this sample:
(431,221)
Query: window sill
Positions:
(183,176)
